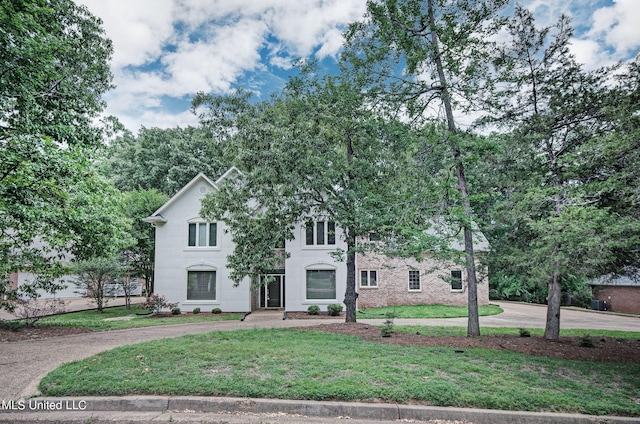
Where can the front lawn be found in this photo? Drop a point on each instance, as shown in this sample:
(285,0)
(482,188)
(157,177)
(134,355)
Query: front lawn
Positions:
(306,364)
(427,311)
(118,317)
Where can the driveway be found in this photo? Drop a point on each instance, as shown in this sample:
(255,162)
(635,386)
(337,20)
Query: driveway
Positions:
(24,364)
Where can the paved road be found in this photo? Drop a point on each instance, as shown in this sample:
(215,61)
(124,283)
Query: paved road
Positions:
(24,364)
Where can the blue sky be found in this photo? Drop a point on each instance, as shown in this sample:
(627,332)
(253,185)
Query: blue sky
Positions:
(167,50)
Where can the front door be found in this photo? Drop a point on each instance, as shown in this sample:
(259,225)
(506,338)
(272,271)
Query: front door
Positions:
(272,294)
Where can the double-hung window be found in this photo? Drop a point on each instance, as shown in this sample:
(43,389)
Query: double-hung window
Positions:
(320,233)
(368,278)
(203,234)
(456,280)
(414,280)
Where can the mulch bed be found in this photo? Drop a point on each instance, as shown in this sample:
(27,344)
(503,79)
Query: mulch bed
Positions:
(606,349)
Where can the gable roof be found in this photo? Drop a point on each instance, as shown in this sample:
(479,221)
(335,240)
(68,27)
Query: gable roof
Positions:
(157,218)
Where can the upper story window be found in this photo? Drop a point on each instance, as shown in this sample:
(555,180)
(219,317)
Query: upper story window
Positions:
(202,234)
(320,233)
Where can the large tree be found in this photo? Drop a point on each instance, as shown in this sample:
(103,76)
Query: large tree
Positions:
(316,152)
(162,159)
(431,56)
(555,189)
(54,57)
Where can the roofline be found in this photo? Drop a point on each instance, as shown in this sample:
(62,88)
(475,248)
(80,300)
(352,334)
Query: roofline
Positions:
(187,187)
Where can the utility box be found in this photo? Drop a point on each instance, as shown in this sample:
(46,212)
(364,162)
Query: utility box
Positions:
(599,305)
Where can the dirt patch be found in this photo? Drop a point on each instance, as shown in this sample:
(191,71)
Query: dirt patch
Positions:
(606,349)
(36,333)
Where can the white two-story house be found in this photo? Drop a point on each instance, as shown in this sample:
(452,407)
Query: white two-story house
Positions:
(191,266)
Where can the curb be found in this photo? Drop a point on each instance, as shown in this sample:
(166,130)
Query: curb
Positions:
(111,408)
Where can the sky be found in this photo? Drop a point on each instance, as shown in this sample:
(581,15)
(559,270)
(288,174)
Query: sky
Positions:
(165,51)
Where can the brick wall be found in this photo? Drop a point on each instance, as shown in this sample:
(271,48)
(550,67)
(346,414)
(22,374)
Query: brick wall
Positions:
(393,283)
(619,298)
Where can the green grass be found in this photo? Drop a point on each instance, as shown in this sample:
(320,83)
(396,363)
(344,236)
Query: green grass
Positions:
(94,320)
(299,364)
(427,311)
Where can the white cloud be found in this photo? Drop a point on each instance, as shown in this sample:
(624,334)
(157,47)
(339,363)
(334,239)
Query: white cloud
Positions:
(138,29)
(618,25)
(176,48)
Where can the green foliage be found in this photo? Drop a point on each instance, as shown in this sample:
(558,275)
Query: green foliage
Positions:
(55,58)
(315,152)
(196,311)
(586,341)
(94,277)
(176,311)
(140,256)
(157,303)
(558,213)
(387,327)
(216,311)
(162,160)
(313,310)
(524,332)
(334,309)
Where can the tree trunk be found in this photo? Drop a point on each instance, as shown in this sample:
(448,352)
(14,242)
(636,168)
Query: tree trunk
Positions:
(350,295)
(552,327)
(473,325)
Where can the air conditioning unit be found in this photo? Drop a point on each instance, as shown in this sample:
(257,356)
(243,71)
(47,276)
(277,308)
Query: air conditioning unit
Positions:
(599,305)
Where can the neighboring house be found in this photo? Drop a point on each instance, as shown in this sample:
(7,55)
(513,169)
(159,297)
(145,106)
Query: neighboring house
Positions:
(190,266)
(618,293)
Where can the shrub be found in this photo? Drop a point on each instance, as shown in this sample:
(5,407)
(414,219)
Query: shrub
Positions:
(313,310)
(216,311)
(196,311)
(387,327)
(334,309)
(524,332)
(156,303)
(586,341)
(175,311)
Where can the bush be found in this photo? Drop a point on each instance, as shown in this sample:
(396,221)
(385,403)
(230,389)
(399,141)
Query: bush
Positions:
(313,310)
(524,332)
(387,327)
(196,311)
(216,311)
(156,303)
(175,311)
(334,310)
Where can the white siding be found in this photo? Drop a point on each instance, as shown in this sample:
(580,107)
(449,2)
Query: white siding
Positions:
(304,257)
(174,258)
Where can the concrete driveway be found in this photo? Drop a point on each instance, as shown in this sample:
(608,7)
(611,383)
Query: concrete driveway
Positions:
(24,364)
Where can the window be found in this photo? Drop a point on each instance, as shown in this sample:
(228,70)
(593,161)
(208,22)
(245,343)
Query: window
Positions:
(456,280)
(368,278)
(201,285)
(321,284)
(320,233)
(414,280)
(202,234)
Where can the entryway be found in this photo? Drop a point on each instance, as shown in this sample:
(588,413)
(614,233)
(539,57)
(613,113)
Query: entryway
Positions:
(272,293)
